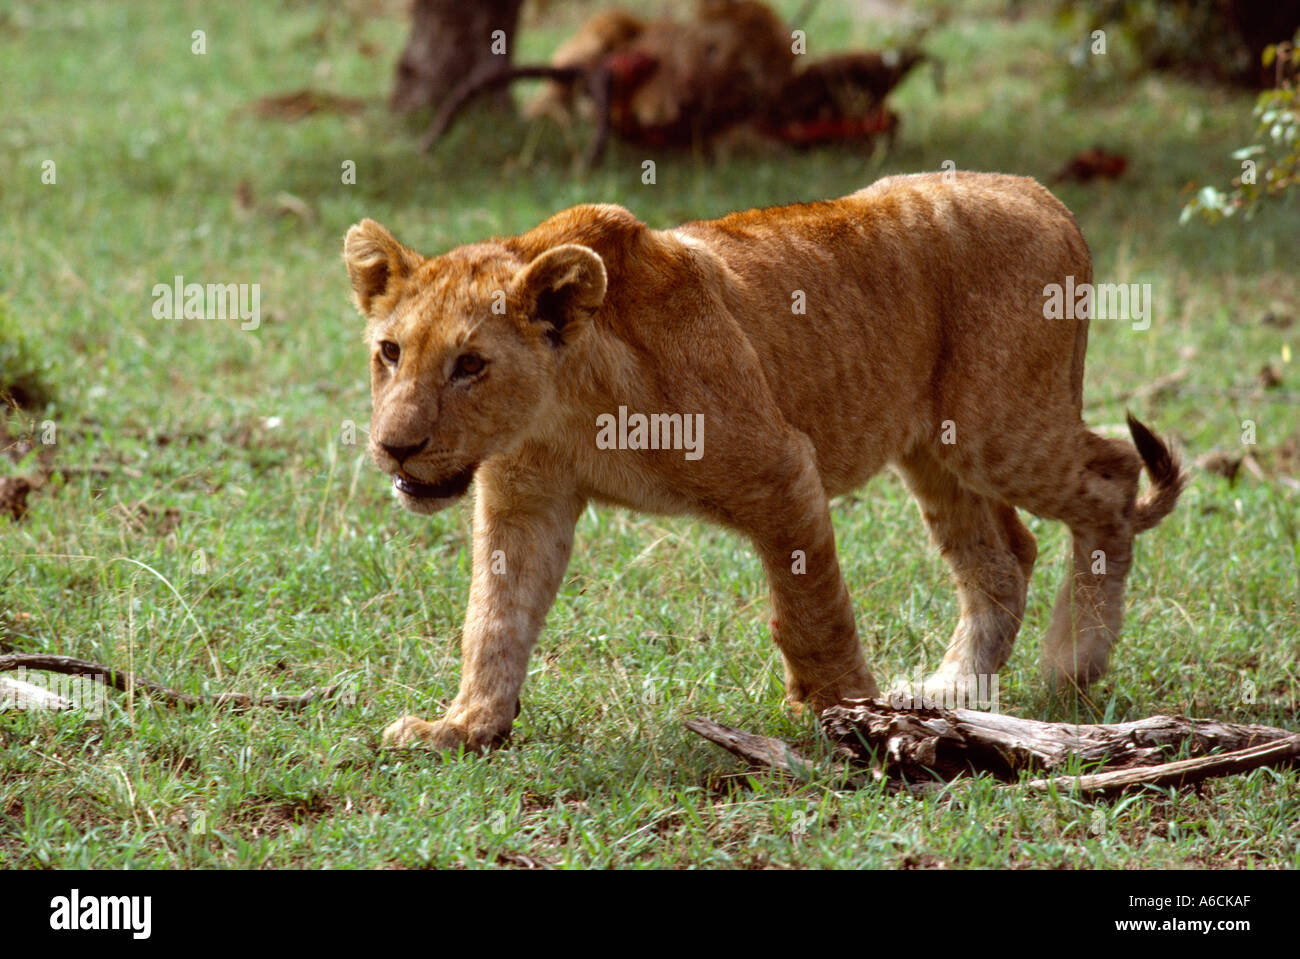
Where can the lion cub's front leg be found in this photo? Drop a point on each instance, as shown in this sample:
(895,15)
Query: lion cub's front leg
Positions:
(521,550)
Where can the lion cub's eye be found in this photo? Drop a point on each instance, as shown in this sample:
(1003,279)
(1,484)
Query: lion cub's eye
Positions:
(390,350)
(468,364)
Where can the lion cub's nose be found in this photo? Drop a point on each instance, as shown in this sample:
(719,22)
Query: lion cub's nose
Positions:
(403,453)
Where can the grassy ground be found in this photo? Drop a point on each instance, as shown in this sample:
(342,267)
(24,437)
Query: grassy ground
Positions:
(216,532)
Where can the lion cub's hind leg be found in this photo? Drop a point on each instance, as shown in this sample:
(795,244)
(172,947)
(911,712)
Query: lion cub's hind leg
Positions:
(1090,605)
(1091,485)
(991,554)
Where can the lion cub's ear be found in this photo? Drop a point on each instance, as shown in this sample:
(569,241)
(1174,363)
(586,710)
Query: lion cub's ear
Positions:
(561,289)
(376,262)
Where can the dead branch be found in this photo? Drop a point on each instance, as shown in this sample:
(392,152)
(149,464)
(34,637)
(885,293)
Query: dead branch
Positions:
(1157,387)
(754,749)
(597,81)
(126,682)
(942,744)
(1281,753)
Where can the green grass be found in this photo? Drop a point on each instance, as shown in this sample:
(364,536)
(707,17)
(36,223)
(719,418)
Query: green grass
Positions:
(213,532)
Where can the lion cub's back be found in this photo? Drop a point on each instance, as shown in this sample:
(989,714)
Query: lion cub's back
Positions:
(995,242)
(881,312)
(1011,220)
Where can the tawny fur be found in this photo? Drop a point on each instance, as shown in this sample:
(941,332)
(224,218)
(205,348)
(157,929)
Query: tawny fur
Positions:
(924,323)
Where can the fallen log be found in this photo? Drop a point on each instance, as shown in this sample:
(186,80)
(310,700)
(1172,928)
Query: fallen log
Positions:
(941,743)
(919,745)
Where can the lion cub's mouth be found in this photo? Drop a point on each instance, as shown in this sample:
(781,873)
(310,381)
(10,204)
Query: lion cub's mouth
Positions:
(453,486)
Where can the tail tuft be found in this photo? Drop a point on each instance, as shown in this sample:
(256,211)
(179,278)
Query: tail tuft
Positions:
(1167,476)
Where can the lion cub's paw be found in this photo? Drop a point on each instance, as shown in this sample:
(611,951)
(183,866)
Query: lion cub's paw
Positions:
(816,698)
(414,731)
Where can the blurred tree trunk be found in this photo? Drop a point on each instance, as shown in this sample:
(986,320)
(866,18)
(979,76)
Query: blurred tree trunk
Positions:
(451,42)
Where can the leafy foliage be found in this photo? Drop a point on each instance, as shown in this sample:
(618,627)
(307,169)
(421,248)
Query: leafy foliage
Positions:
(1270,167)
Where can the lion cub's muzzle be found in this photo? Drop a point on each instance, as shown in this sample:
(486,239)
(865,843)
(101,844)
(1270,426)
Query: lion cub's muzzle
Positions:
(422,487)
(451,488)
(425,496)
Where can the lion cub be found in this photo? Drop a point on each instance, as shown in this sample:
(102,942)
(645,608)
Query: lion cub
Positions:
(807,347)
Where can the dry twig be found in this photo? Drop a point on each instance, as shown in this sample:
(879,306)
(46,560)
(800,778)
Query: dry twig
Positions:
(125,682)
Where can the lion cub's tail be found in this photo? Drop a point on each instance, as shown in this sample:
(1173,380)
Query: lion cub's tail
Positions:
(1167,477)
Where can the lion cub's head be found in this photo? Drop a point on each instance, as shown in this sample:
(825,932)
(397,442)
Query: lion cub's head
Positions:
(464,349)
